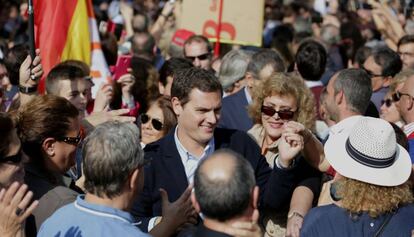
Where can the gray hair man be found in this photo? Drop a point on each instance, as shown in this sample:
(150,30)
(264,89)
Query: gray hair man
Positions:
(233,69)
(113,163)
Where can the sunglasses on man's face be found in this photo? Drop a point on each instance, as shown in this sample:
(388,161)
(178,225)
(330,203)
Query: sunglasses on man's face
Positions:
(14,159)
(156,124)
(199,57)
(283,114)
(387,102)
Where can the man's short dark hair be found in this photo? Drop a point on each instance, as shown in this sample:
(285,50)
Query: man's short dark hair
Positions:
(60,72)
(186,80)
(356,86)
(406,39)
(199,39)
(171,66)
(223,199)
(389,61)
(263,58)
(311,60)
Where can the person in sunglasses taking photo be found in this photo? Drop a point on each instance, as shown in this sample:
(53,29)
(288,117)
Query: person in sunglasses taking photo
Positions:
(157,120)
(280,99)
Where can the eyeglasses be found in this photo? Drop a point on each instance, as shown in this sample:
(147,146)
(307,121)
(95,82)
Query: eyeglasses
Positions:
(397,96)
(71,140)
(14,159)
(387,102)
(199,57)
(371,74)
(283,114)
(156,124)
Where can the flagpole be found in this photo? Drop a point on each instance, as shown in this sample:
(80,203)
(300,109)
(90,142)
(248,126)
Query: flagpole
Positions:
(31,29)
(220,16)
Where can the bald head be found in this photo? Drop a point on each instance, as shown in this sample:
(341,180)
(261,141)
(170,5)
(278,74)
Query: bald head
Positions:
(219,167)
(223,185)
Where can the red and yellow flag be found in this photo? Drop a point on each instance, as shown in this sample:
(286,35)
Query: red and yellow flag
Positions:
(67,29)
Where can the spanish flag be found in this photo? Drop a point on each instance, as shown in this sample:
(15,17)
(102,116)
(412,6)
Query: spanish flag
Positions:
(67,29)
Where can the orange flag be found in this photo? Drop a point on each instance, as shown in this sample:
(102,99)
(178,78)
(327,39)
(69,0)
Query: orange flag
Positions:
(67,29)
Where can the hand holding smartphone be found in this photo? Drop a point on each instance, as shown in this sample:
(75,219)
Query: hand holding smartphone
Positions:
(122,65)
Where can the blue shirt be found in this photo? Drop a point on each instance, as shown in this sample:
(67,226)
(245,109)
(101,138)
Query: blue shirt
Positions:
(332,220)
(190,161)
(85,219)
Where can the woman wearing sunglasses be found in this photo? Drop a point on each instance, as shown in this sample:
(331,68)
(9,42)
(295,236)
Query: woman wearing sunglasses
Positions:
(49,130)
(389,110)
(12,213)
(280,99)
(157,120)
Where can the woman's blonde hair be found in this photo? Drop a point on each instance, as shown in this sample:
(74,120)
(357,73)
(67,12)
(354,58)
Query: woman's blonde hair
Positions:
(357,196)
(285,84)
(400,78)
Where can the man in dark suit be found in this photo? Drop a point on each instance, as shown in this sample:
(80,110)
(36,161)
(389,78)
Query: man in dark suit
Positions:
(234,114)
(196,99)
(225,193)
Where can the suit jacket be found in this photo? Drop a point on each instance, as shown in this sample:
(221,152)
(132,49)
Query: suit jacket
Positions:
(234,112)
(203,231)
(167,171)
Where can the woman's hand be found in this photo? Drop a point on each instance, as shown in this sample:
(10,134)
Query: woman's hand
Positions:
(126,81)
(290,145)
(103,97)
(15,207)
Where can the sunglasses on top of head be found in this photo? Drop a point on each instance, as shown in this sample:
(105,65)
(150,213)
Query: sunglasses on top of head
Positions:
(199,57)
(283,114)
(14,159)
(156,124)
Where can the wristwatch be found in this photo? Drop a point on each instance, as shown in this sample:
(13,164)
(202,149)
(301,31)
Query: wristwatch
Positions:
(294,213)
(27,90)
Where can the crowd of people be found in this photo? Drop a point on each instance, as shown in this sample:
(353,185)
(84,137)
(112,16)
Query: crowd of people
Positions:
(311,134)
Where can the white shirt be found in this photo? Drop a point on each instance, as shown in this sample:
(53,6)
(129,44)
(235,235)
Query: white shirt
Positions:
(190,161)
(344,126)
(408,128)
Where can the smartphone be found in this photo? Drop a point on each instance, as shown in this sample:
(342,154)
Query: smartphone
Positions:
(122,64)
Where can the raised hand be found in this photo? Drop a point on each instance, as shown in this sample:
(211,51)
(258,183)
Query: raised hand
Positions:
(289,147)
(15,207)
(103,97)
(29,72)
(179,213)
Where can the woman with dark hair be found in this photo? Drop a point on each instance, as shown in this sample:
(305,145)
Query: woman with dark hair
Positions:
(12,214)
(157,120)
(49,129)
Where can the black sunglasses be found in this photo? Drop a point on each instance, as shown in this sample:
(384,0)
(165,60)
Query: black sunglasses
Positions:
(387,102)
(371,74)
(200,57)
(283,114)
(14,159)
(71,140)
(156,124)
(397,96)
